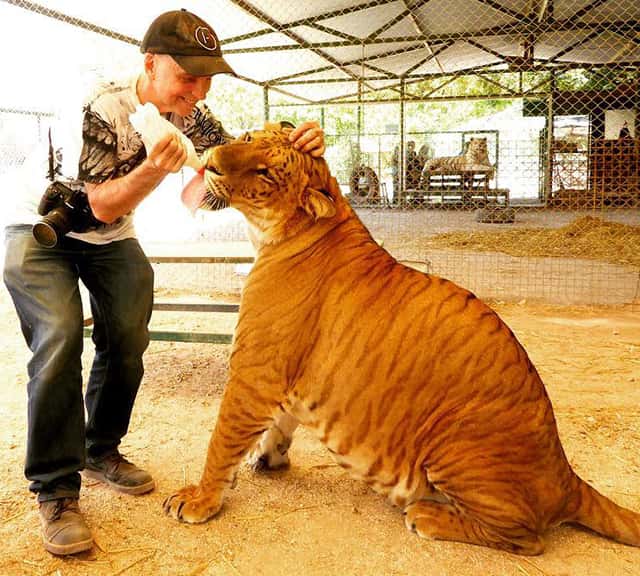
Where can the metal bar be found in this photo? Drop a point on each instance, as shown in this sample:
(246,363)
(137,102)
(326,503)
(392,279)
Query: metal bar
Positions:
(494,82)
(400,16)
(420,28)
(195,307)
(417,99)
(439,87)
(537,86)
(542,10)
(174,336)
(575,45)
(512,29)
(401,155)
(586,9)
(251,9)
(485,49)
(548,175)
(432,54)
(311,20)
(201,259)
(356,62)
(506,11)
(333,32)
(62,17)
(24,112)
(197,337)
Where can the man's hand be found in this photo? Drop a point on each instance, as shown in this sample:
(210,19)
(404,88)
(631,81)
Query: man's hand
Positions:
(118,196)
(168,154)
(308,137)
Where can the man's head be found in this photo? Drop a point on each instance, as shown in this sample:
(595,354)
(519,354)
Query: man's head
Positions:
(189,40)
(182,52)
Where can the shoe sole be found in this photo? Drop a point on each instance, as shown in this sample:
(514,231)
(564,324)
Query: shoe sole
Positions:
(133,490)
(66,549)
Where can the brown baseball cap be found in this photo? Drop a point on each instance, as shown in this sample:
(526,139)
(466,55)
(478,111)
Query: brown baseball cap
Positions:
(189,40)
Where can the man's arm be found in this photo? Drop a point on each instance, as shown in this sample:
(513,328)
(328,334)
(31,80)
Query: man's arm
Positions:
(116,197)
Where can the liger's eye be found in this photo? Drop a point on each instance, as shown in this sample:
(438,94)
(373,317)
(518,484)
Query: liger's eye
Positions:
(264,174)
(246,137)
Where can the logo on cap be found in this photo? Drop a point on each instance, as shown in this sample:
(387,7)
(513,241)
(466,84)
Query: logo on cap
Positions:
(205,38)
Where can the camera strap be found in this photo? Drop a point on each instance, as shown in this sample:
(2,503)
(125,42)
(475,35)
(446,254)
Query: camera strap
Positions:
(52,169)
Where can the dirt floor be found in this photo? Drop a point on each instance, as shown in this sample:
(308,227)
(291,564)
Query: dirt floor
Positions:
(313,519)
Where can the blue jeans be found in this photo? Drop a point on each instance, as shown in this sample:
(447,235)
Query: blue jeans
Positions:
(43,283)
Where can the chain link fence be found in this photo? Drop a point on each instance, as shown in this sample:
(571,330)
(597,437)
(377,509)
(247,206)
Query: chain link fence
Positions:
(494,142)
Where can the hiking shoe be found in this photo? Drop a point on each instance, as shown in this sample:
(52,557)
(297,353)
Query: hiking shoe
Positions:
(64,530)
(116,471)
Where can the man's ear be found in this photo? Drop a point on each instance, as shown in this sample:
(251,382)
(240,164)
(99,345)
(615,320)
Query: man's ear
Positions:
(317,204)
(150,65)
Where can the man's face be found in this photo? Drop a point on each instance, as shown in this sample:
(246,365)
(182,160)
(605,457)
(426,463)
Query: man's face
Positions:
(176,90)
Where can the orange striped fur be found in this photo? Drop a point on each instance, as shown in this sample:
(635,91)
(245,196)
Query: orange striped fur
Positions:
(414,384)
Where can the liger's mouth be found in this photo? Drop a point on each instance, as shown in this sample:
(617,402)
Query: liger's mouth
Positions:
(212,168)
(217,196)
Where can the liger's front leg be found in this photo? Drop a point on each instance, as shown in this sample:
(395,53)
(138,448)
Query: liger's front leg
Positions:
(243,417)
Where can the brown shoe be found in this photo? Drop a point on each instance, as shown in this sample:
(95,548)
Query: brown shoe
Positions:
(64,530)
(116,471)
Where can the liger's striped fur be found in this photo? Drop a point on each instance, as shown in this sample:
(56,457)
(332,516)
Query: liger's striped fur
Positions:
(415,385)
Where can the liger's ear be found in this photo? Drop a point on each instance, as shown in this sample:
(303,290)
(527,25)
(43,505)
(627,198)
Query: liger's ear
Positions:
(317,204)
(282,125)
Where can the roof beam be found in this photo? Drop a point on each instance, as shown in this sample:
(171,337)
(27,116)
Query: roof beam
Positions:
(619,27)
(311,21)
(432,55)
(506,11)
(389,24)
(419,26)
(251,9)
(586,9)
(62,17)
(575,45)
(337,33)
(495,53)
(494,82)
(356,62)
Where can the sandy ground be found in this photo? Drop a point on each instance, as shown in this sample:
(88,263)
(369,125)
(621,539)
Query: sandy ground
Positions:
(313,519)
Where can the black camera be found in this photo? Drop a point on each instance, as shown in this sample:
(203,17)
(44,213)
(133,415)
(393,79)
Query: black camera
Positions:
(64,210)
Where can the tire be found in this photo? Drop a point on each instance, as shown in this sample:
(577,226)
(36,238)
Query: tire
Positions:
(364,185)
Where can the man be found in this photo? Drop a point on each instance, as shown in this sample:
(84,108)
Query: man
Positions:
(113,175)
(414,169)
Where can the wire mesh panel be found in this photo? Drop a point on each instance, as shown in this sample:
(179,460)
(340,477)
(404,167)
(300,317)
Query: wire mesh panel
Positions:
(491,141)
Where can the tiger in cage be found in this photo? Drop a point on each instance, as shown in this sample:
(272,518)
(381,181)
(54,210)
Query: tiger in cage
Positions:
(475,158)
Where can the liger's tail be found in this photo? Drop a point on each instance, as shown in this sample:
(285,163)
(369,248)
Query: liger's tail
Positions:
(597,512)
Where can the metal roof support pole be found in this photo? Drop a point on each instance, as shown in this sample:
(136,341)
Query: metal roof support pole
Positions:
(401,179)
(265,100)
(360,123)
(548,172)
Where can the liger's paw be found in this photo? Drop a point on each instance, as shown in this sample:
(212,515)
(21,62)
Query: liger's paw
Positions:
(261,462)
(190,504)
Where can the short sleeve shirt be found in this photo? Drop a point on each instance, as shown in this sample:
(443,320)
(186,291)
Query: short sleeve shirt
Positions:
(111,148)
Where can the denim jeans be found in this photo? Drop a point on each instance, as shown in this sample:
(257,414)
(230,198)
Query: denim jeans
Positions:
(44,286)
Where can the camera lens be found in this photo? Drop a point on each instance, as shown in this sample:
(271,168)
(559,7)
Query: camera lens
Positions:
(53,226)
(45,234)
